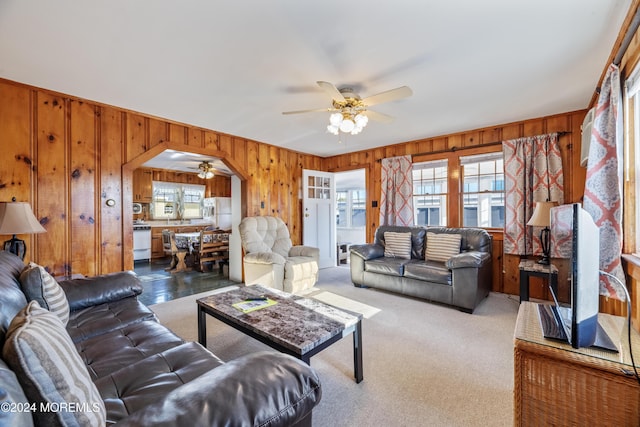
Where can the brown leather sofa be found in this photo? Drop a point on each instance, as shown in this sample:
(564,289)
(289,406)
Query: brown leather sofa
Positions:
(145,374)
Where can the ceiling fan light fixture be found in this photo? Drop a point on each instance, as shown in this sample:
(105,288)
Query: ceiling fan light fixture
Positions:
(208,175)
(201,175)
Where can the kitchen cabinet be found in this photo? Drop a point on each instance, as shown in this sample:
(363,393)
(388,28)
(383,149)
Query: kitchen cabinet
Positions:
(142,186)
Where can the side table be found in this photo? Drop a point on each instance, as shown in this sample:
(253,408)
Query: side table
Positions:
(528,268)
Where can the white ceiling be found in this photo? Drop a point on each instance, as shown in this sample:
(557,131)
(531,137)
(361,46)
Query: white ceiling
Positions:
(234,66)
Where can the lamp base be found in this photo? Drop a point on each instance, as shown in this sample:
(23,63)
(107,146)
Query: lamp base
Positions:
(16,246)
(545,241)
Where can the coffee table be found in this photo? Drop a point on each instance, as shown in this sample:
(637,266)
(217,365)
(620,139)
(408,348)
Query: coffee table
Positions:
(301,327)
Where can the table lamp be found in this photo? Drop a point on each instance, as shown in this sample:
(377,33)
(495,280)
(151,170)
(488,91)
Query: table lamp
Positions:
(542,218)
(18,218)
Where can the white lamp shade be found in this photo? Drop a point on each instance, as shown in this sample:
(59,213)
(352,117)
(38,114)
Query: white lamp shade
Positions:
(18,218)
(335,119)
(541,214)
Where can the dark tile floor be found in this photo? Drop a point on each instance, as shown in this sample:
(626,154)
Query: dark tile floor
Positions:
(161,286)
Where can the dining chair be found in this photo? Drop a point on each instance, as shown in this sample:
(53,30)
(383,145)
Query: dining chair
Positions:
(212,247)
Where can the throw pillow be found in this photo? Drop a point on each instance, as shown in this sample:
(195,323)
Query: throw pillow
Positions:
(37,284)
(397,245)
(50,370)
(442,246)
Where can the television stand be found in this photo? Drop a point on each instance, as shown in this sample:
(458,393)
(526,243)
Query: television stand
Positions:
(556,384)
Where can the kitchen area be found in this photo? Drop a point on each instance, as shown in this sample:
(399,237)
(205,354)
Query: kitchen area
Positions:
(180,202)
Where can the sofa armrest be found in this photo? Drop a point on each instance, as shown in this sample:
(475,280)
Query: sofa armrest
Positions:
(367,252)
(468,259)
(264,258)
(264,388)
(301,250)
(89,291)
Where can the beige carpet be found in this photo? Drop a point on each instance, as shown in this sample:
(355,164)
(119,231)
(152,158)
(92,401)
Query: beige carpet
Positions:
(424,364)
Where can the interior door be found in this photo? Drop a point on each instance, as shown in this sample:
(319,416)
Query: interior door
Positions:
(319,214)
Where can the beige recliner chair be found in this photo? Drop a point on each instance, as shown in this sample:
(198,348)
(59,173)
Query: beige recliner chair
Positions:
(271,260)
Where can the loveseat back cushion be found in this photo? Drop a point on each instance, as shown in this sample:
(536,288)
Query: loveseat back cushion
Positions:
(12,299)
(473,239)
(265,234)
(50,370)
(398,245)
(417,238)
(37,284)
(442,246)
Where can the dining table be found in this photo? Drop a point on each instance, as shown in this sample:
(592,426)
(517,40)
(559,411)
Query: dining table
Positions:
(185,241)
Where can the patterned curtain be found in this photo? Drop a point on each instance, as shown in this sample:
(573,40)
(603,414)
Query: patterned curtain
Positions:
(602,192)
(532,173)
(396,203)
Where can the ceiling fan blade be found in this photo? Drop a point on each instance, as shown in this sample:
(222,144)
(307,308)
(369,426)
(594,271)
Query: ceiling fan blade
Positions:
(309,111)
(331,90)
(378,117)
(390,95)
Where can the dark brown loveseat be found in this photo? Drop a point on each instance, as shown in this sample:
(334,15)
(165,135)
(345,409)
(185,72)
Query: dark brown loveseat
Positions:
(461,279)
(143,374)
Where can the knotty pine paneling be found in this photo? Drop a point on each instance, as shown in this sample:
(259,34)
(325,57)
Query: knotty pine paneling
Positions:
(83,166)
(65,156)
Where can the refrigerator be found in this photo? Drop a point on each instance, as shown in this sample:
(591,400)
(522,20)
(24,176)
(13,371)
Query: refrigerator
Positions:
(218,211)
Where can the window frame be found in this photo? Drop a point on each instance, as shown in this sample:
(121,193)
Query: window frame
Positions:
(443,206)
(464,161)
(179,195)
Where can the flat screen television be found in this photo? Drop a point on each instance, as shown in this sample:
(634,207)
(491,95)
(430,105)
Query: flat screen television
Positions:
(576,237)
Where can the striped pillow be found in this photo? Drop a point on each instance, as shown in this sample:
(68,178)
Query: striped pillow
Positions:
(40,286)
(442,246)
(397,245)
(50,370)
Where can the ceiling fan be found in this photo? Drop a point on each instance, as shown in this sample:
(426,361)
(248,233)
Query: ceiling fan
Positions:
(206,170)
(350,112)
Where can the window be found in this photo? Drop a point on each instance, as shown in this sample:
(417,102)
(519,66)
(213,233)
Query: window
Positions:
(430,193)
(351,206)
(632,163)
(483,190)
(172,200)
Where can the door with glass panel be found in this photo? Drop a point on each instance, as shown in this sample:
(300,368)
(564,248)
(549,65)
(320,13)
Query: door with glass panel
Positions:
(319,214)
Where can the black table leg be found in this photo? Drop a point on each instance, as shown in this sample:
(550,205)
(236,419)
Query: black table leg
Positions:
(202,327)
(357,351)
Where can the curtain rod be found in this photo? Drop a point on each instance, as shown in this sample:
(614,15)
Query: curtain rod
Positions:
(628,35)
(453,149)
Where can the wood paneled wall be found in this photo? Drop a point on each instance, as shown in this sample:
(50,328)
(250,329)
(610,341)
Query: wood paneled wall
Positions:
(506,273)
(67,156)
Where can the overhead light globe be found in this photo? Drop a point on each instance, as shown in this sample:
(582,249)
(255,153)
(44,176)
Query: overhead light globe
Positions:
(208,175)
(333,129)
(347,125)
(201,175)
(335,119)
(361,120)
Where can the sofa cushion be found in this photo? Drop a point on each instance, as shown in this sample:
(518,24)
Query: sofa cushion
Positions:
(442,246)
(149,380)
(429,271)
(397,245)
(107,317)
(12,299)
(109,352)
(40,352)
(386,265)
(37,284)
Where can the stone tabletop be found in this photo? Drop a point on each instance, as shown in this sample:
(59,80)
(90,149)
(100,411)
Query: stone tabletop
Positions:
(298,323)
(532,265)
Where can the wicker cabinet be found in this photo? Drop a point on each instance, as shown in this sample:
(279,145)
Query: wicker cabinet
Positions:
(555,384)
